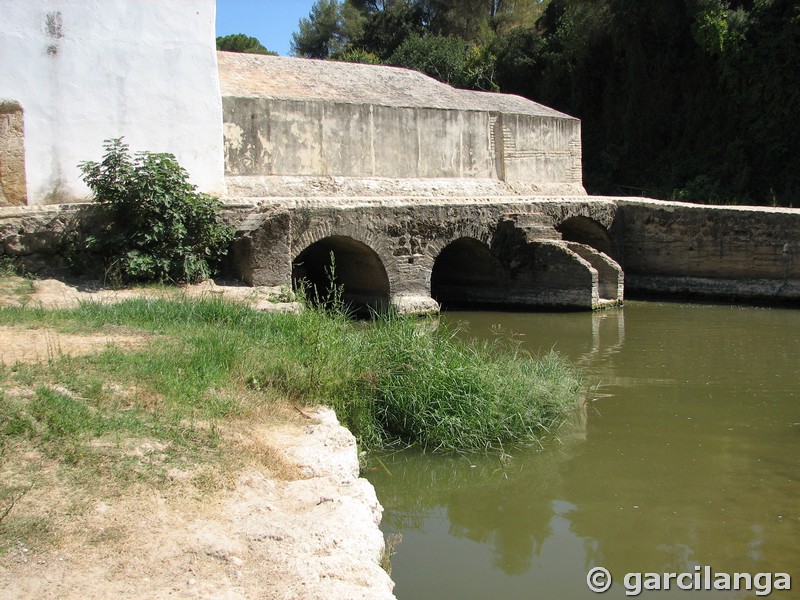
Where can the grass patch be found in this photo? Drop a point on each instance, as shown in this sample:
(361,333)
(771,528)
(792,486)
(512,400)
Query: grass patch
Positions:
(14,287)
(96,438)
(188,405)
(393,381)
(438,392)
(35,531)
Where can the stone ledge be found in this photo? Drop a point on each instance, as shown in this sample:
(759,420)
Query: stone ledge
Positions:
(742,290)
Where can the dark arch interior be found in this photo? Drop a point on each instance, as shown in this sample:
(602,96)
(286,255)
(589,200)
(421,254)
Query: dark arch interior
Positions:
(357,268)
(584,230)
(467,273)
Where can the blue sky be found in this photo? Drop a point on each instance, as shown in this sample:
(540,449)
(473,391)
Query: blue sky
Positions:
(271,21)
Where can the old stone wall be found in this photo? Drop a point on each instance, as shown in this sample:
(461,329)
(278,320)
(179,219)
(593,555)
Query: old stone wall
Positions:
(410,253)
(506,251)
(13,190)
(34,237)
(88,71)
(745,253)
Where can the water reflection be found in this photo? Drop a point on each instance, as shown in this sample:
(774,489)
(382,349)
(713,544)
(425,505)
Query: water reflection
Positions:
(687,453)
(487,500)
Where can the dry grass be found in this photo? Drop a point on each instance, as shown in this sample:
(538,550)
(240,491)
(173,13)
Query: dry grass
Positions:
(25,345)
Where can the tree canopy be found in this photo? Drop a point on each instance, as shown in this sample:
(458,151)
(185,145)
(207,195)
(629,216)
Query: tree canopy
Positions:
(239,42)
(686,99)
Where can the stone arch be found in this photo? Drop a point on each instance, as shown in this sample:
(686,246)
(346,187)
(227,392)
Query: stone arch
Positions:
(478,232)
(358,269)
(466,272)
(585,230)
(329,225)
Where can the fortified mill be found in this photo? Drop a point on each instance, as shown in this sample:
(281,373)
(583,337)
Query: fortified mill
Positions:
(425,195)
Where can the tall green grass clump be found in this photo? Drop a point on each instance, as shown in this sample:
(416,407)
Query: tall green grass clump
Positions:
(443,393)
(399,381)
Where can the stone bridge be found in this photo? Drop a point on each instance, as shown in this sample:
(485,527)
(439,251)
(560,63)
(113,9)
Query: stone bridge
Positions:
(415,255)
(424,195)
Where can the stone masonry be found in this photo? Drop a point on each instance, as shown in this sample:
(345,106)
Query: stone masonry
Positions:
(421,192)
(12,155)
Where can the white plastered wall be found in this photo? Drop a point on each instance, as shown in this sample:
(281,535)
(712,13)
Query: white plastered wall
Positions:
(88,70)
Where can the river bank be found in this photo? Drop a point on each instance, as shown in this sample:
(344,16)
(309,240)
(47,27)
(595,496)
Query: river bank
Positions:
(160,406)
(288,517)
(263,537)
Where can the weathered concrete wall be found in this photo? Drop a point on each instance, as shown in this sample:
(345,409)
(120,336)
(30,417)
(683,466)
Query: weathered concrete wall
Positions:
(13,190)
(87,71)
(310,138)
(301,127)
(538,149)
(744,253)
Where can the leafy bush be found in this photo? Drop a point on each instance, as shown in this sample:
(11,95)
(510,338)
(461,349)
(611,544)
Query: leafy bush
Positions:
(358,55)
(448,59)
(157,226)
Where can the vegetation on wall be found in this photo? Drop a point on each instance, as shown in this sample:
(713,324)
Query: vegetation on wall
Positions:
(157,226)
(688,99)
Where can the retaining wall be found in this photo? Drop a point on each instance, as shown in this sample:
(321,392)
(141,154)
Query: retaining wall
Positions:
(722,252)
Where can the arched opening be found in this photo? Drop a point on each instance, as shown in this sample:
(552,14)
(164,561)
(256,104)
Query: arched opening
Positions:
(347,263)
(584,230)
(467,273)
(588,237)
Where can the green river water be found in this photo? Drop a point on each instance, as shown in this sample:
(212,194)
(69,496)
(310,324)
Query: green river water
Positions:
(686,455)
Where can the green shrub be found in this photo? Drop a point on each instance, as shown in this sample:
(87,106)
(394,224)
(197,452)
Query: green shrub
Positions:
(358,55)
(157,226)
(448,59)
(239,42)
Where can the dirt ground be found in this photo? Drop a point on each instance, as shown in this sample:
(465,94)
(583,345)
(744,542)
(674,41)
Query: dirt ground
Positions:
(306,532)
